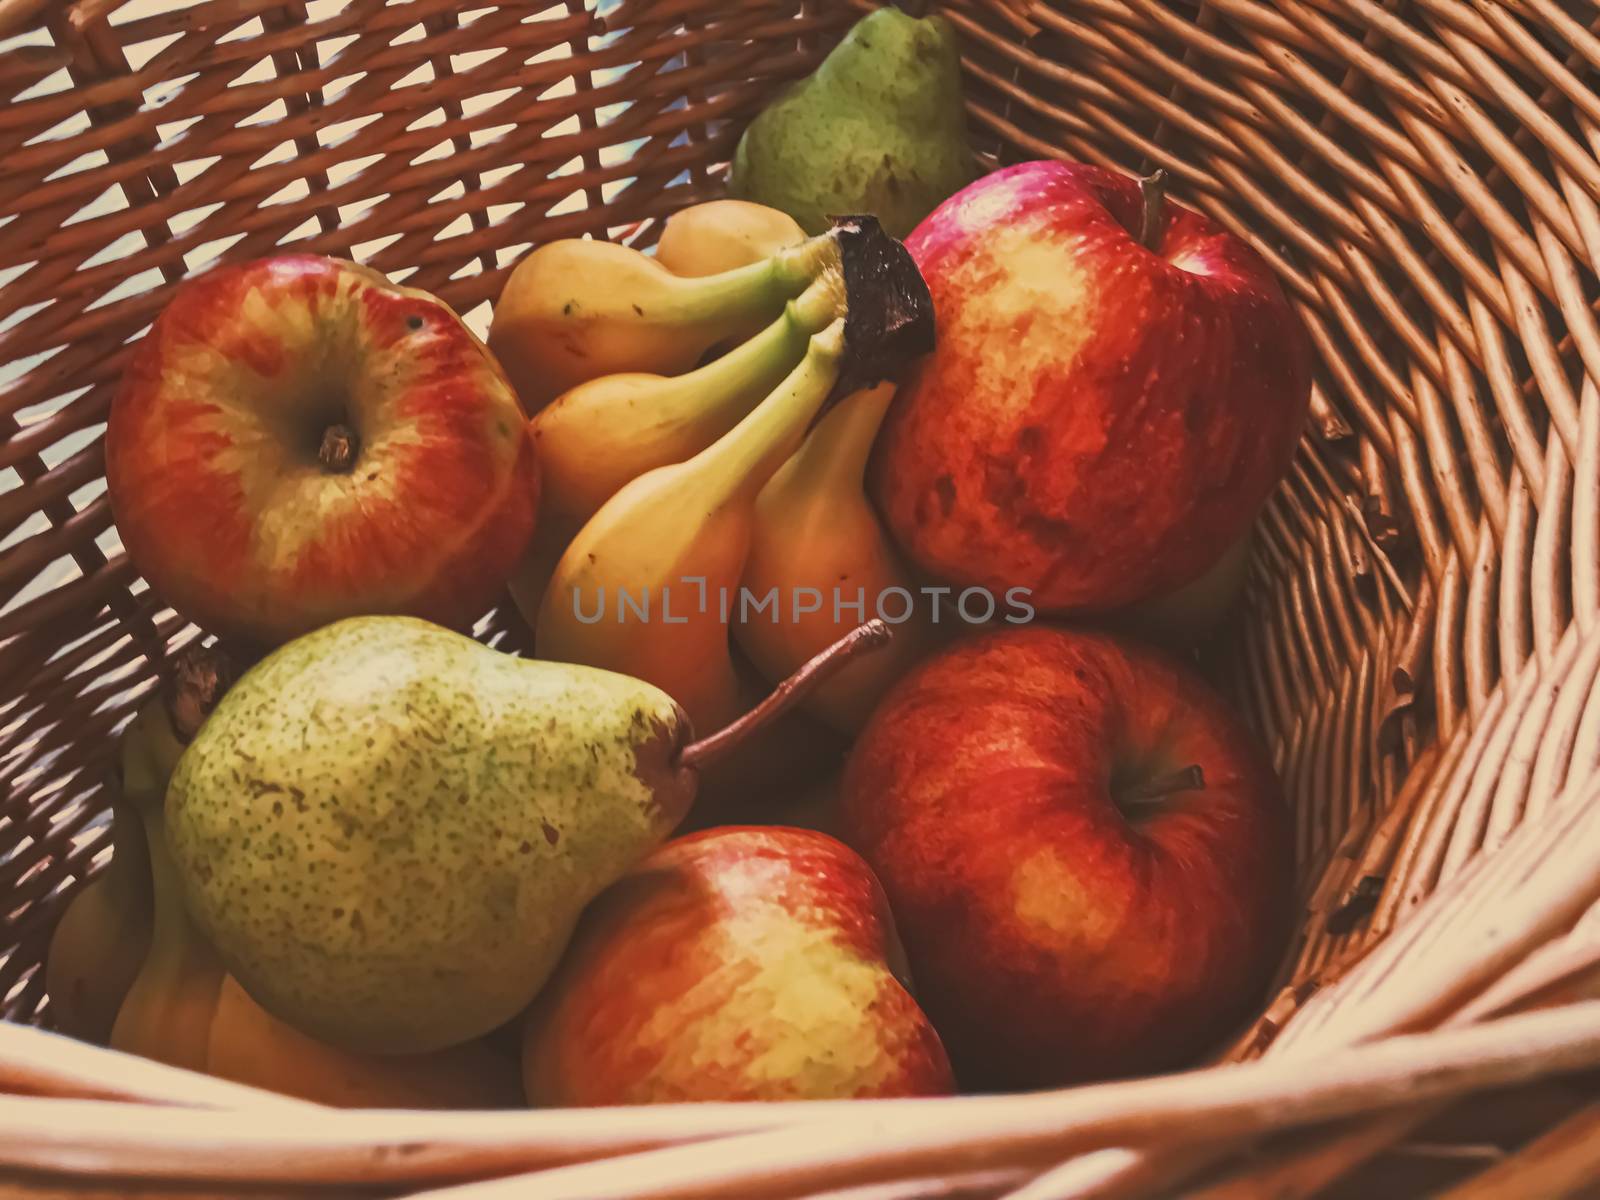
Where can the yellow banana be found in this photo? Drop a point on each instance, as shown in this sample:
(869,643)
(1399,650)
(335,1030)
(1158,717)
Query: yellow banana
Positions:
(603,433)
(597,436)
(101,937)
(575,310)
(817,544)
(719,235)
(609,429)
(167,1012)
(648,585)
(247,1044)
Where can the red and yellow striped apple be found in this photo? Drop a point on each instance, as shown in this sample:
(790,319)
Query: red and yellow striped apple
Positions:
(739,963)
(1087,855)
(1104,413)
(298,440)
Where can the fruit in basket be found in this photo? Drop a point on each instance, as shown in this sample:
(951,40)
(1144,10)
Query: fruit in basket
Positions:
(609,431)
(650,584)
(719,235)
(817,545)
(879,127)
(681,531)
(654,419)
(387,829)
(183,1009)
(1087,855)
(166,1014)
(1100,420)
(577,309)
(102,935)
(606,432)
(298,440)
(734,964)
(247,1044)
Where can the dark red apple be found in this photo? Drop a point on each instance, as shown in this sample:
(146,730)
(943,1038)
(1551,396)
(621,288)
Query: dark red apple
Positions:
(740,963)
(1085,852)
(298,440)
(1100,420)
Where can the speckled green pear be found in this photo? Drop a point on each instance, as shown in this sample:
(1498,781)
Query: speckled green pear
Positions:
(879,127)
(388,830)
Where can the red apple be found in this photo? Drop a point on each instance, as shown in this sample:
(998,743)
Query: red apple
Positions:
(740,963)
(298,440)
(1073,906)
(1099,420)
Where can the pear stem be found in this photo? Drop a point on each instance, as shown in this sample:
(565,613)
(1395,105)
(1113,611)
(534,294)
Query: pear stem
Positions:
(1189,779)
(1152,222)
(863,639)
(200,676)
(916,9)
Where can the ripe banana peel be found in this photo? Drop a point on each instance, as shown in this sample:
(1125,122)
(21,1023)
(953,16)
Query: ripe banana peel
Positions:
(578,309)
(816,543)
(167,1012)
(681,532)
(719,235)
(642,587)
(169,1007)
(249,1045)
(102,943)
(102,935)
(599,435)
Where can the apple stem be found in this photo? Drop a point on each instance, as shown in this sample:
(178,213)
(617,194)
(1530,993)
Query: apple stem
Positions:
(1152,219)
(338,450)
(200,676)
(1190,779)
(863,639)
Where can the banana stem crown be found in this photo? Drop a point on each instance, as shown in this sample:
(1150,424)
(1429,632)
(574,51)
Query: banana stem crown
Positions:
(889,321)
(888,308)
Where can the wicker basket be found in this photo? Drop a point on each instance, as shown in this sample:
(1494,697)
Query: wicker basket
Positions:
(1419,648)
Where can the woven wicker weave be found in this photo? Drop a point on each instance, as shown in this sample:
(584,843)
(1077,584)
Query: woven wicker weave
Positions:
(1419,649)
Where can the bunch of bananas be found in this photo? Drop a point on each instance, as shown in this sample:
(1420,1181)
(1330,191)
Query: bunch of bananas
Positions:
(127,967)
(703,511)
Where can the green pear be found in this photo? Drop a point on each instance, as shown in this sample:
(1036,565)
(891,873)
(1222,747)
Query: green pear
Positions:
(388,830)
(878,128)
